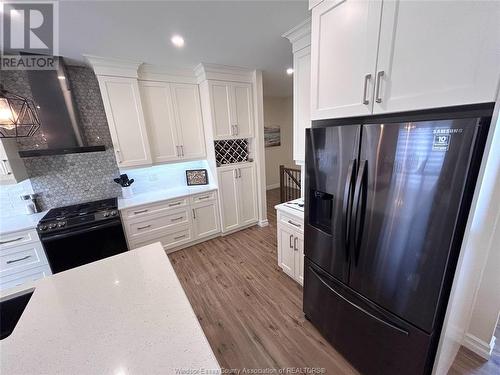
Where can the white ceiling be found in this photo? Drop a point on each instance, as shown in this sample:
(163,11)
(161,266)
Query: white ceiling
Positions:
(239,33)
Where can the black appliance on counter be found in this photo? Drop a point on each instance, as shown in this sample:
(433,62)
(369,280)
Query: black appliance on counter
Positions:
(386,204)
(82,233)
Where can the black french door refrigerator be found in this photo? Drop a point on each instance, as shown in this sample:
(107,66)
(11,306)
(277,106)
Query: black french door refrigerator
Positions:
(386,203)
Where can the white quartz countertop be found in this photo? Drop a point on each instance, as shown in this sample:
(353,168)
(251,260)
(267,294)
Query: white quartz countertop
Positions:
(126,314)
(292,208)
(161,195)
(20,222)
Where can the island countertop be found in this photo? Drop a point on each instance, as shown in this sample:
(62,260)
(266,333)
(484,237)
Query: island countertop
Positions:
(126,314)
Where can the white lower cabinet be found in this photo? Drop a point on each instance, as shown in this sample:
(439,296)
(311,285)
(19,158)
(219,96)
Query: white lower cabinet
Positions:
(291,244)
(238,195)
(175,223)
(22,259)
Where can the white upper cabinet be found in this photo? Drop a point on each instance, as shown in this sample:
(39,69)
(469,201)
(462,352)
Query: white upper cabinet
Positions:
(187,110)
(243,110)
(437,54)
(12,168)
(173,119)
(123,107)
(232,109)
(404,55)
(160,122)
(343,57)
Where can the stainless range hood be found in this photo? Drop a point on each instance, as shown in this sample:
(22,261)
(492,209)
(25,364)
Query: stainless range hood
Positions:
(60,124)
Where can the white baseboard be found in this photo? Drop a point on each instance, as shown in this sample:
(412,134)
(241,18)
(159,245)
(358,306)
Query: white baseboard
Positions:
(263,223)
(478,346)
(273,186)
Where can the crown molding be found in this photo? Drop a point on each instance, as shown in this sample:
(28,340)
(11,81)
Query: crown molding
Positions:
(300,35)
(109,66)
(149,72)
(208,71)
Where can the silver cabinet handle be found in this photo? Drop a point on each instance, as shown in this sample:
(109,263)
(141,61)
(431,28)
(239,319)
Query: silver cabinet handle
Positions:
(177,218)
(236,128)
(295,240)
(239,172)
(194,213)
(182,150)
(204,197)
(179,237)
(174,204)
(6,167)
(291,236)
(13,240)
(294,224)
(118,155)
(140,212)
(144,227)
(232,129)
(378,99)
(18,260)
(367,78)
(235,172)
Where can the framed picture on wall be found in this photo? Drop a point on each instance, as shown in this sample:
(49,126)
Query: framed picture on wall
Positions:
(272,136)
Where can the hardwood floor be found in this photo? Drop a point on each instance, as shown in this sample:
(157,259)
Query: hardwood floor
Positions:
(468,362)
(251,312)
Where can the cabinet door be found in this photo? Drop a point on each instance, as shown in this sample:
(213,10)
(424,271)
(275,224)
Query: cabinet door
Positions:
(343,57)
(286,254)
(160,122)
(298,246)
(12,168)
(123,107)
(187,110)
(220,101)
(301,100)
(242,108)
(436,54)
(247,194)
(229,198)
(205,219)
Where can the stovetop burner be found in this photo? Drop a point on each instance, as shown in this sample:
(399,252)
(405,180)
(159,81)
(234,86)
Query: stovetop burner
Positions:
(63,218)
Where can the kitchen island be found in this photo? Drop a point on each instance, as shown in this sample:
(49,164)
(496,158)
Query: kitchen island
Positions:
(126,314)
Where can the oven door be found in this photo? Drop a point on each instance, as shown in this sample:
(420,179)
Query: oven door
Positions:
(79,246)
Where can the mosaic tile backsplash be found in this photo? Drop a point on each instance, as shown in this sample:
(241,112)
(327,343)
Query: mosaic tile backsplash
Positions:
(73,178)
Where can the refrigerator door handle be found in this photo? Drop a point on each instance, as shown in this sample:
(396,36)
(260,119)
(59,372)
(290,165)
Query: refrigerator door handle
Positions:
(347,204)
(380,320)
(359,208)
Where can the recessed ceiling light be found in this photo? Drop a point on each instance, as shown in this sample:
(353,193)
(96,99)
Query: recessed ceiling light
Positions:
(177,41)
(61,77)
(289,71)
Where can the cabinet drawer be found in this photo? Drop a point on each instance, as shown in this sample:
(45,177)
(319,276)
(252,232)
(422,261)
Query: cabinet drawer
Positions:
(19,278)
(19,258)
(152,209)
(157,223)
(208,196)
(168,241)
(291,222)
(18,238)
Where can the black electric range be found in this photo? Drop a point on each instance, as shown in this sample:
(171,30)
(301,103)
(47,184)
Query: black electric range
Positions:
(83,233)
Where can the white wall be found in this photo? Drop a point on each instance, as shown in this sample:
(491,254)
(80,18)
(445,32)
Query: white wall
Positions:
(478,242)
(279,111)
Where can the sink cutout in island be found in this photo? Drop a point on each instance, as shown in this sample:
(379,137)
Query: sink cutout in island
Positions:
(11,309)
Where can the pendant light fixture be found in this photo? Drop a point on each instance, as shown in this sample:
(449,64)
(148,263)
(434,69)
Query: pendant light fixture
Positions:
(18,115)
